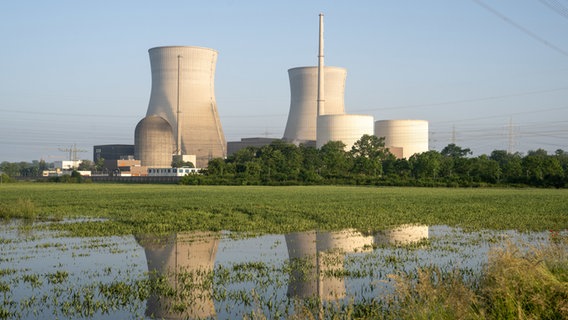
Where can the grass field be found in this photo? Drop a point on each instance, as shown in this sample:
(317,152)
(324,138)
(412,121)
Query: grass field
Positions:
(165,208)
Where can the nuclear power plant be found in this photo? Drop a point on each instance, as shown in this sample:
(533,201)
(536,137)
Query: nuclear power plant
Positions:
(182,121)
(317,112)
(182,117)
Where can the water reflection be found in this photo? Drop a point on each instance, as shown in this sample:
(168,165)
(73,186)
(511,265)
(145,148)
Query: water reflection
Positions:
(185,262)
(318,258)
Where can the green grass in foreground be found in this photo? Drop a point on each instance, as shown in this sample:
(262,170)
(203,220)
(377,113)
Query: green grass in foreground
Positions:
(167,208)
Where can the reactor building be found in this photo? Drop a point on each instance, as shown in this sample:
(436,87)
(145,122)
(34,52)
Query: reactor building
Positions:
(182,117)
(403,137)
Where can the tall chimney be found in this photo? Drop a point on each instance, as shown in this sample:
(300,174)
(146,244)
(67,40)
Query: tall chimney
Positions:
(321,95)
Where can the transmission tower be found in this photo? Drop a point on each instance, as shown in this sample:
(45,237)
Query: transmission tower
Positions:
(72,152)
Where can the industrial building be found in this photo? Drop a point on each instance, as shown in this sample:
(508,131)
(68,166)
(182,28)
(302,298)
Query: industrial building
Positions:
(113,152)
(182,117)
(234,146)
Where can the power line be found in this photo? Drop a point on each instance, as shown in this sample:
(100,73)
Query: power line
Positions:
(453,102)
(521,28)
(556,7)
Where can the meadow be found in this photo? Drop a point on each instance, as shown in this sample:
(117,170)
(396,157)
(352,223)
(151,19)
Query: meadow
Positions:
(116,209)
(471,265)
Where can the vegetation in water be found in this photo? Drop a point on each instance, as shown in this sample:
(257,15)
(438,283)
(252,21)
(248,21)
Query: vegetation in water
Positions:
(519,281)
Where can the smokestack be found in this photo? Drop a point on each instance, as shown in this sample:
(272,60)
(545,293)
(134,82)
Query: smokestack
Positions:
(321,95)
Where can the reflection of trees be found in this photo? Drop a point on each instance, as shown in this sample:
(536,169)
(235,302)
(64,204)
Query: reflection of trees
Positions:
(181,270)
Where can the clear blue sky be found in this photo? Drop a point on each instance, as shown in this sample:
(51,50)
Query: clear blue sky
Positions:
(77,72)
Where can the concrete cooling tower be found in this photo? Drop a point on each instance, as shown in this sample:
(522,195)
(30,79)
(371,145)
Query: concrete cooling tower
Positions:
(347,128)
(409,135)
(183,95)
(302,118)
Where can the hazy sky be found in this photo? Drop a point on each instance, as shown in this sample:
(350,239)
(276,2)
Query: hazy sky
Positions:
(78,72)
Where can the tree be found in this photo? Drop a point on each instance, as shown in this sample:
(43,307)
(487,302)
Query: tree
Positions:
(542,169)
(311,164)
(86,165)
(181,164)
(368,154)
(426,164)
(510,165)
(335,161)
(454,151)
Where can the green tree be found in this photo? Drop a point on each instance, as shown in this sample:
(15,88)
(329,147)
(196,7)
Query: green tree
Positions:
(510,165)
(542,169)
(426,164)
(86,165)
(368,154)
(335,161)
(311,164)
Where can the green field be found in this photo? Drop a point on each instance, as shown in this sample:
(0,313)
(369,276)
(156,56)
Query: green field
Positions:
(165,208)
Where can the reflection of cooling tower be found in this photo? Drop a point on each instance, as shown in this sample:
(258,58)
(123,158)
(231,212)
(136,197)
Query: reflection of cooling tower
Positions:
(347,128)
(183,86)
(192,255)
(153,142)
(404,234)
(322,255)
(410,135)
(301,125)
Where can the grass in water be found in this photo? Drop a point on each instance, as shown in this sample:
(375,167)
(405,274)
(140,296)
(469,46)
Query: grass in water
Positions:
(517,283)
(18,209)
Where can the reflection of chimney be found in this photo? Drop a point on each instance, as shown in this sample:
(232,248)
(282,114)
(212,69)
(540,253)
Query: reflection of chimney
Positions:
(321,256)
(190,254)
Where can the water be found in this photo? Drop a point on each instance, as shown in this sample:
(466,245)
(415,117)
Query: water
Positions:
(204,274)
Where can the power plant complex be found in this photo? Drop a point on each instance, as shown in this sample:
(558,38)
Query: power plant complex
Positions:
(182,121)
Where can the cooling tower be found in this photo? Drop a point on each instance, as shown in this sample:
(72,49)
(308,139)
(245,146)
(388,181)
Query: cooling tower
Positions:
(301,125)
(410,135)
(183,94)
(153,142)
(347,128)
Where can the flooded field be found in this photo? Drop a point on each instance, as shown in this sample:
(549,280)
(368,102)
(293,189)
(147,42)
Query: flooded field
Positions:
(224,275)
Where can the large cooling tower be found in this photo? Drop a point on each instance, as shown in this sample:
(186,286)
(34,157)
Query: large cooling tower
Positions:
(301,125)
(153,142)
(183,94)
(410,135)
(347,128)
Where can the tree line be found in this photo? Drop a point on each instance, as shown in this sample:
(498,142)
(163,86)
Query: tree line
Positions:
(369,162)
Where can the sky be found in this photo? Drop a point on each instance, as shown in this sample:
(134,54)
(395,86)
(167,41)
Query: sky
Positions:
(487,75)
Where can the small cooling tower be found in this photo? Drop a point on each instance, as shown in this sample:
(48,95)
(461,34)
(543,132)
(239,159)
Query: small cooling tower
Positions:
(410,135)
